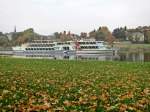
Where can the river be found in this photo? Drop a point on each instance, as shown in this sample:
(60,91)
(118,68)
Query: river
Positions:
(139,56)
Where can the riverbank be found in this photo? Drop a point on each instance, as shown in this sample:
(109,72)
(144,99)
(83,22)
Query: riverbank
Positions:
(33,85)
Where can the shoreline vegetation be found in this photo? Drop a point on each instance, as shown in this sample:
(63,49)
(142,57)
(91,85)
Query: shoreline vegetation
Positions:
(52,85)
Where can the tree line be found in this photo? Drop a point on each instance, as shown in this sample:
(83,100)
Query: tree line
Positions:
(100,34)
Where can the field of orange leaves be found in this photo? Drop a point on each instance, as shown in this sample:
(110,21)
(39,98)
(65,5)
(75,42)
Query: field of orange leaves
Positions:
(87,86)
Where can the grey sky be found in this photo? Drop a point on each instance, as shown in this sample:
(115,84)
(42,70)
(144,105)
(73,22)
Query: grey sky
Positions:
(48,16)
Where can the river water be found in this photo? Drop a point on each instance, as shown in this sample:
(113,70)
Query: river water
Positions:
(139,56)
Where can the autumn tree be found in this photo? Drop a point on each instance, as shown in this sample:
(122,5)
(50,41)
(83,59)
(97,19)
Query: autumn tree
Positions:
(83,35)
(92,34)
(102,34)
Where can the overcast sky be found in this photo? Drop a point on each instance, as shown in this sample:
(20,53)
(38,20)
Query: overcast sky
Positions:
(48,16)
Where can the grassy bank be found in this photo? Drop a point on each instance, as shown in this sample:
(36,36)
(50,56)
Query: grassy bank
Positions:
(27,85)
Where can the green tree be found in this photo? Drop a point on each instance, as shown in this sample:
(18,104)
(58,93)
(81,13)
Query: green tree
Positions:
(57,35)
(4,42)
(120,33)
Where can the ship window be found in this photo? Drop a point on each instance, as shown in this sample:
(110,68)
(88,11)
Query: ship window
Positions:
(65,48)
(68,43)
(59,43)
(81,42)
(92,42)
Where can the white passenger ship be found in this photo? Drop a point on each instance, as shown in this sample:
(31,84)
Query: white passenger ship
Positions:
(47,48)
(92,47)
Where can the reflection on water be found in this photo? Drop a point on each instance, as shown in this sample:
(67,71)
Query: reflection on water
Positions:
(137,56)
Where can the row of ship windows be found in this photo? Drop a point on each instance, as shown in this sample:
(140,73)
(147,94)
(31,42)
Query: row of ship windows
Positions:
(38,56)
(39,49)
(89,47)
(41,45)
(47,45)
(41,41)
(66,43)
(87,42)
(59,43)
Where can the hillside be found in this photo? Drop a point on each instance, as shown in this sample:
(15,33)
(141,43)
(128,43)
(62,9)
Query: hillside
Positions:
(17,38)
